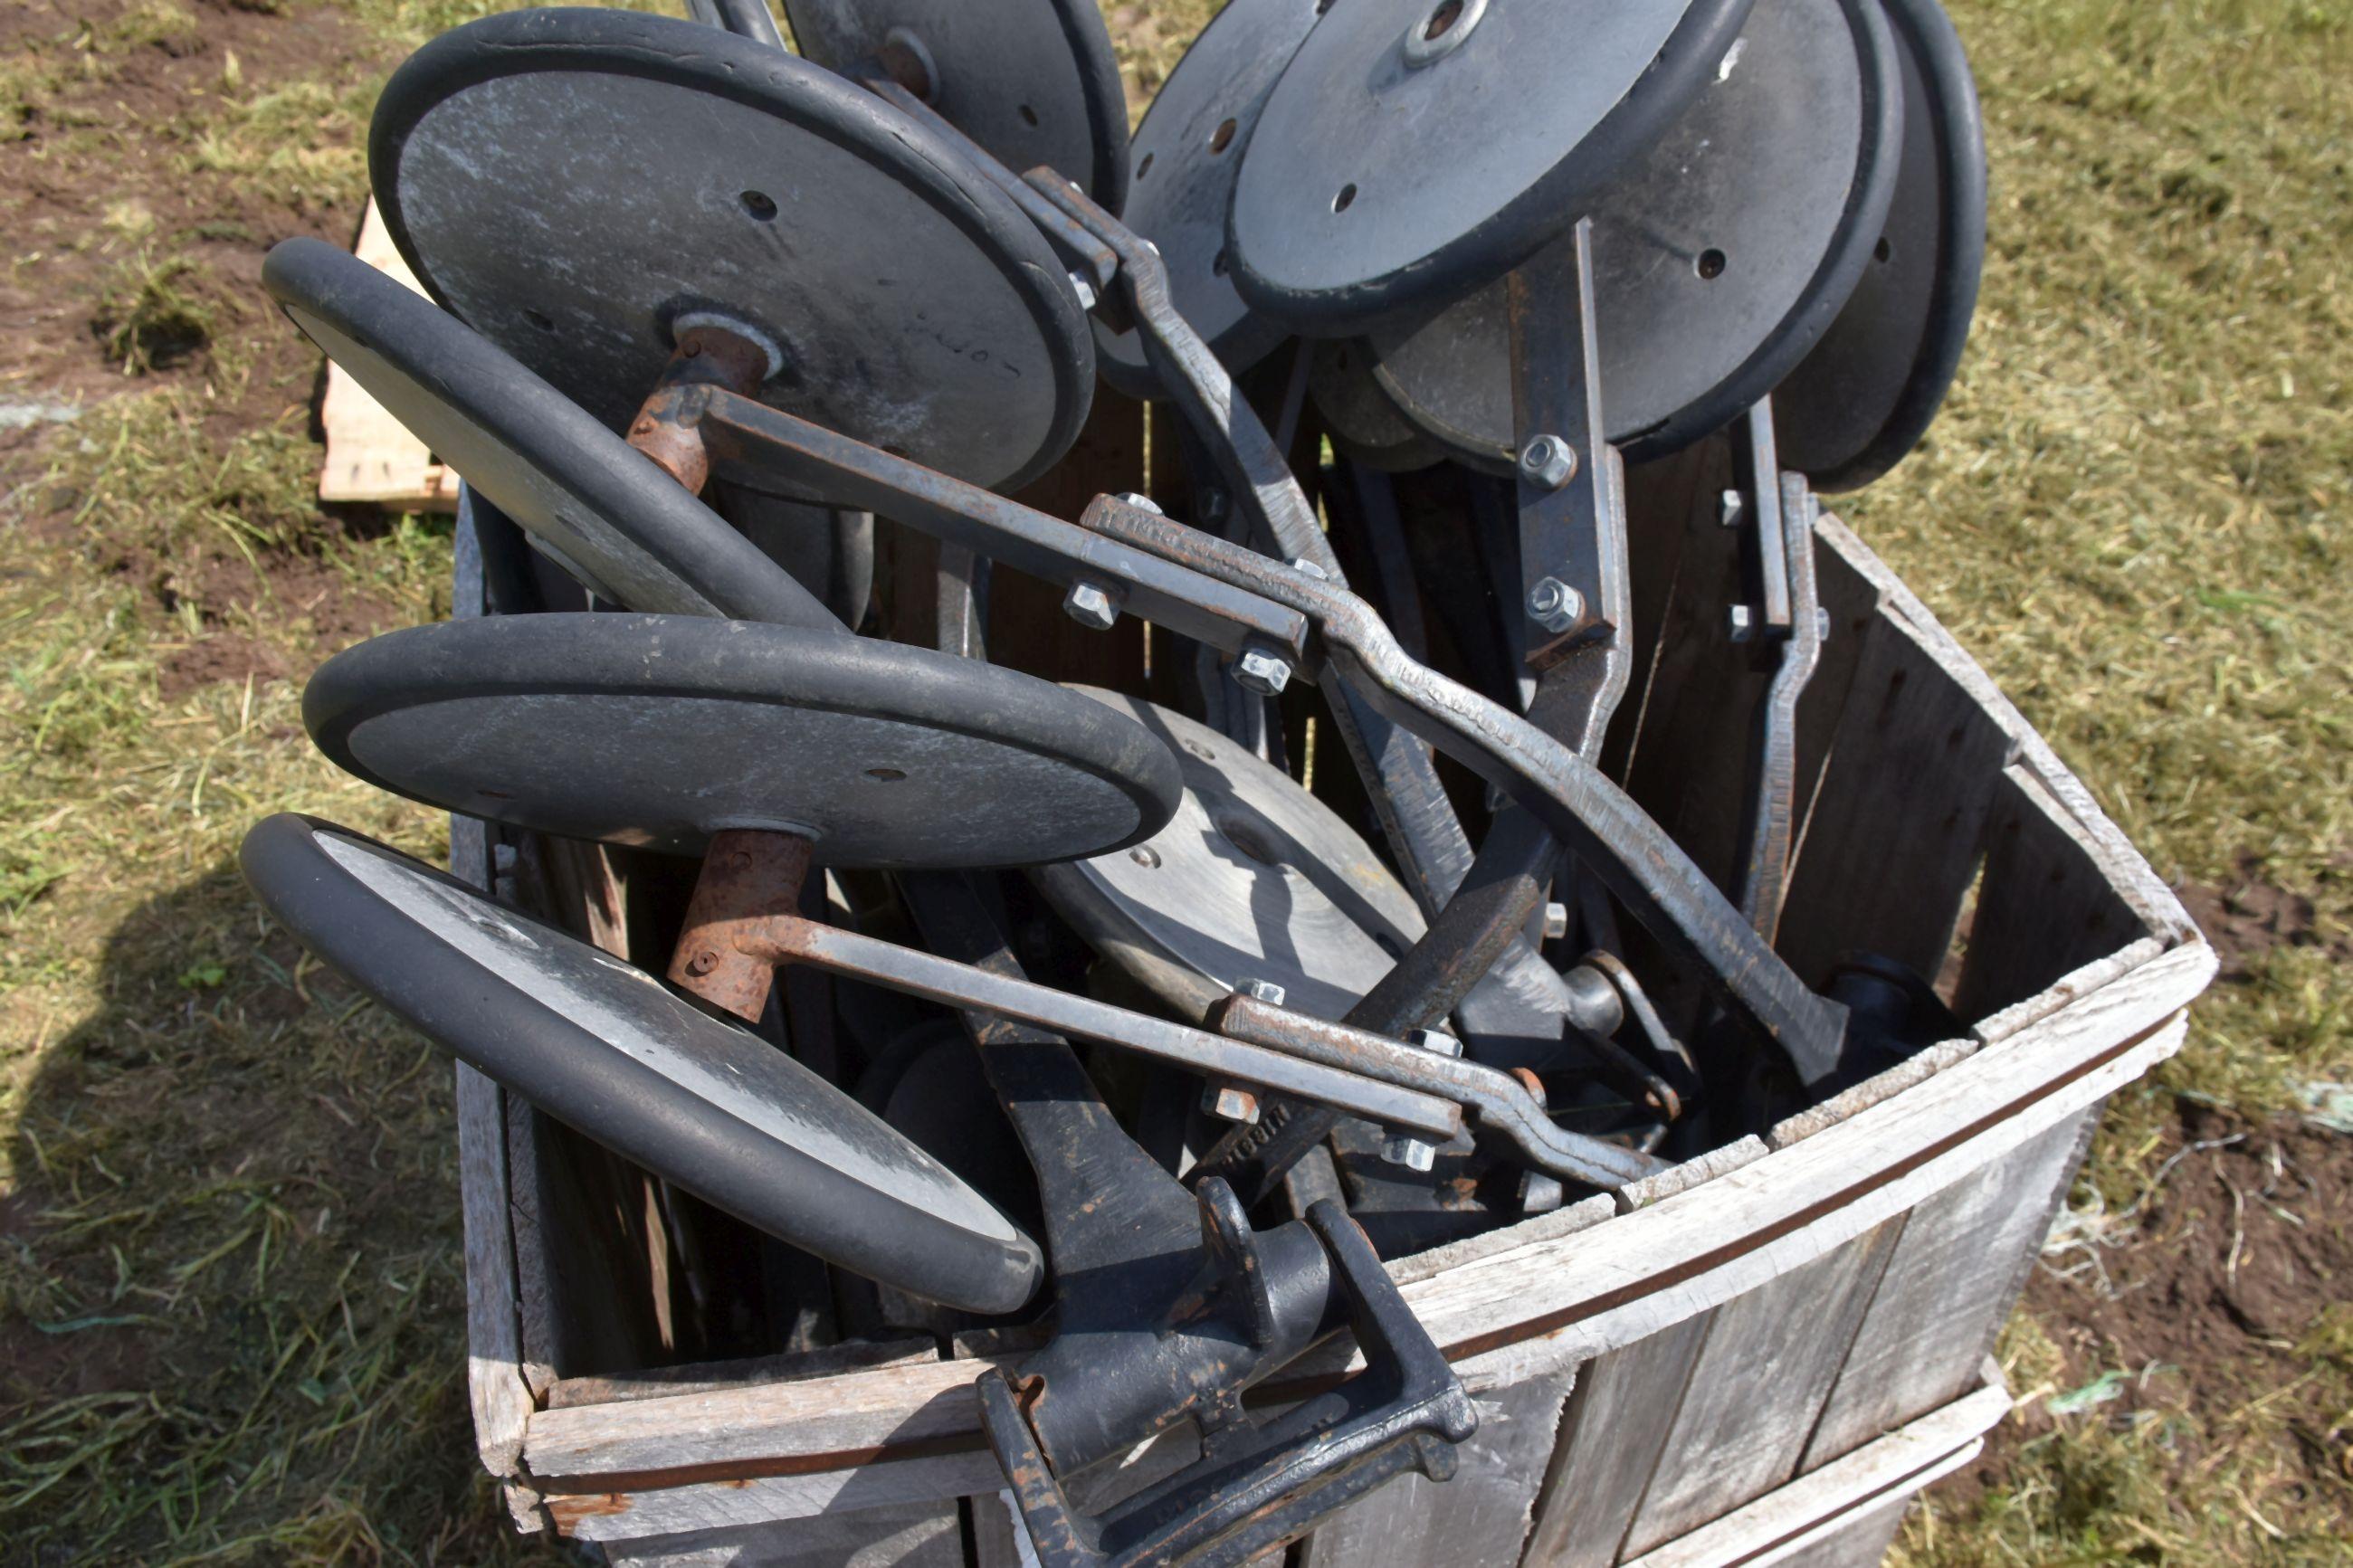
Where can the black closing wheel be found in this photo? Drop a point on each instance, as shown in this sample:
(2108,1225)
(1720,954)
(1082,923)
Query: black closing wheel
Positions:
(1416,148)
(610,1051)
(1031,82)
(576,184)
(1186,152)
(1254,879)
(661,731)
(1872,386)
(1719,258)
(587,498)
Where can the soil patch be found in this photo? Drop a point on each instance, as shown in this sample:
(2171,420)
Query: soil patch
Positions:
(2217,1293)
(2251,916)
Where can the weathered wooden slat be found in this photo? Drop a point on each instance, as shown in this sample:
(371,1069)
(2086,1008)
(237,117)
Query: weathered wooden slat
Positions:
(1481,1515)
(371,456)
(1761,1379)
(2045,907)
(1891,845)
(1818,1510)
(873,1538)
(1619,1417)
(1947,1289)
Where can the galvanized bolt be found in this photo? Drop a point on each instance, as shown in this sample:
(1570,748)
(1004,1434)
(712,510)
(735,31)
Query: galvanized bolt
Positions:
(1224,1100)
(1141,502)
(1727,507)
(1302,564)
(1540,1193)
(1555,924)
(1554,605)
(1549,461)
(1411,1153)
(1742,622)
(1403,1149)
(1227,1104)
(1084,289)
(1091,607)
(1262,672)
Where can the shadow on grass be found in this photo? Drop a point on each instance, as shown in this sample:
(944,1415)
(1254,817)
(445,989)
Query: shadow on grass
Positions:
(232,1268)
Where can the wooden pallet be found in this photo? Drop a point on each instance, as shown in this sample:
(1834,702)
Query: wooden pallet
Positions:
(371,457)
(1758,1357)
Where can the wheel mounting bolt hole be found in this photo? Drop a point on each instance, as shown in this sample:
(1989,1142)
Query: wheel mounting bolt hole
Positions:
(536,320)
(759,203)
(1223,136)
(1347,198)
(1710,264)
(1445,16)
(887,775)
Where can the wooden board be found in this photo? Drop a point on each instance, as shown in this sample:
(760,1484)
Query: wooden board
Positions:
(1481,1516)
(371,457)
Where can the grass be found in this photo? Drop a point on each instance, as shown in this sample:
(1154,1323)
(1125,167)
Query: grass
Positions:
(229,1234)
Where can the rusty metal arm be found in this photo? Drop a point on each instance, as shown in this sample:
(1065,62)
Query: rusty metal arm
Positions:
(1390,1099)
(1596,820)
(745,440)
(1364,1074)
(1498,1101)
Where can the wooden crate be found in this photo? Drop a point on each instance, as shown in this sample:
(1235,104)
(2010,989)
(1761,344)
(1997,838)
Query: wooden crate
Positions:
(1758,1357)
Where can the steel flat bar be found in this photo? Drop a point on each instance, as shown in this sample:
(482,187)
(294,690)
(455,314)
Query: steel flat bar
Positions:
(944,980)
(756,444)
(1769,816)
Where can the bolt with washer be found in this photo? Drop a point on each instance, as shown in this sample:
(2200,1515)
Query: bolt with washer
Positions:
(1554,605)
(1262,672)
(1403,1149)
(1549,461)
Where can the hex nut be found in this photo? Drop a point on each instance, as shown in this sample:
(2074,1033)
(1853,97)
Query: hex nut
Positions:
(1262,672)
(1554,605)
(1091,607)
(1548,461)
(1265,991)
(1411,1153)
(1741,621)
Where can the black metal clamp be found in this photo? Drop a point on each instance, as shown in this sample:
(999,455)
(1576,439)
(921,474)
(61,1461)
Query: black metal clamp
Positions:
(1256,1485)
(1168,1307)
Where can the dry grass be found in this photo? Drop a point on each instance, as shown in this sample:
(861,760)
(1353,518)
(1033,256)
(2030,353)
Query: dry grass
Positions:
(229,1248)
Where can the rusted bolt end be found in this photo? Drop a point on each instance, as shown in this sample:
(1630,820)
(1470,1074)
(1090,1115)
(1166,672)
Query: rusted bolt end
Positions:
(1227,1104)
(702,962)
(1540,1193)
(1533,1084)
(1554,605)
(1549,462)
(1091,607)
(1262,672)
(1437,1041)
